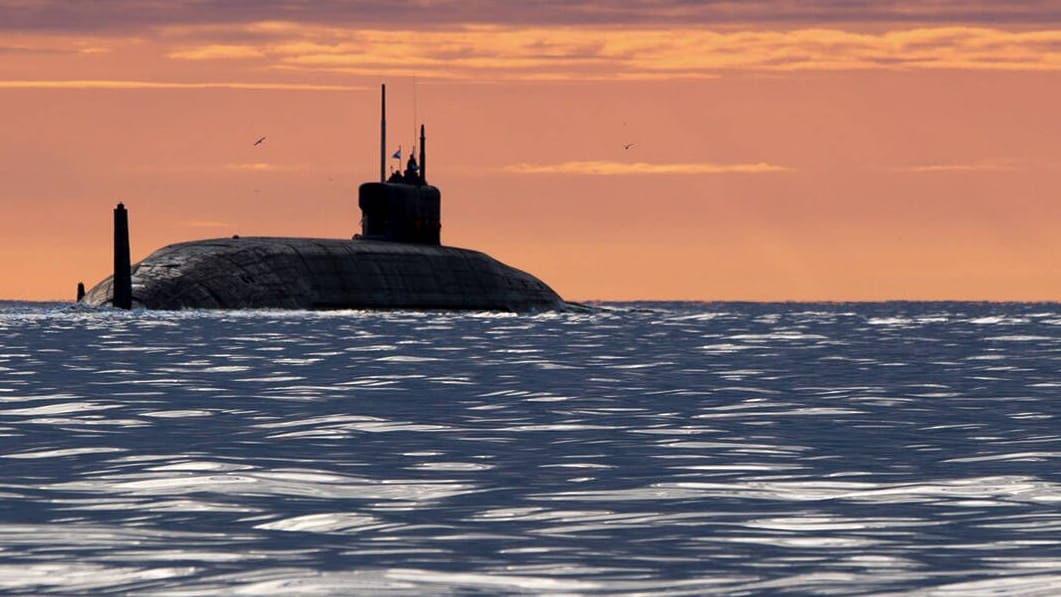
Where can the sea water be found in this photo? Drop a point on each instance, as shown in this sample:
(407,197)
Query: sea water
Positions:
(653,448)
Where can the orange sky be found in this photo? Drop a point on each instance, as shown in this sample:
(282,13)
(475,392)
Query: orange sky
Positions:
(818,155)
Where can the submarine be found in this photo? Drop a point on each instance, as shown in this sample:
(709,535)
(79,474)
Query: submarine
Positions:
(397,261)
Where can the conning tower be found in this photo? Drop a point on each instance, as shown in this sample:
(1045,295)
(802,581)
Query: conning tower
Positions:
(402,208)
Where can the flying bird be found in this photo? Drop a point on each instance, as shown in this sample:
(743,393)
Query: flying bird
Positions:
(259,141)
(628,146)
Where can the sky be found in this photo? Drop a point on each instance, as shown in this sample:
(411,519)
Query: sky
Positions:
(765,150)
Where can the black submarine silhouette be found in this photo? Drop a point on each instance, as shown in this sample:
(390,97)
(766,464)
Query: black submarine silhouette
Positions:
(396,262)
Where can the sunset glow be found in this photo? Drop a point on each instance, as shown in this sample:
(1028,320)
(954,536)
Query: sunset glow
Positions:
(766,150)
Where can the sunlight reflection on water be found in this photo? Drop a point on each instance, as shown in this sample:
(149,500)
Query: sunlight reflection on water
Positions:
(667,448)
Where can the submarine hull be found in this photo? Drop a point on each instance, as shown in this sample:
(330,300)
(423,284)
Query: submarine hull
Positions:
(310,273)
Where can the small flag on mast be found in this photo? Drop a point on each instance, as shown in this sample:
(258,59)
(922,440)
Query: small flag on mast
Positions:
(398,154)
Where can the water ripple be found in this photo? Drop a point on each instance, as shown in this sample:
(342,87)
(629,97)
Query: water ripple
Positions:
(665,449)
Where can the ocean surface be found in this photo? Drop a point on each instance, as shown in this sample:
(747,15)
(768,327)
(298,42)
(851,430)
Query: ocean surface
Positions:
(650,448)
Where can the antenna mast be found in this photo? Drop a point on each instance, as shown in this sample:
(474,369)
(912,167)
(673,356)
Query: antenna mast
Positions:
(423,156)
(414,113)
(383,133)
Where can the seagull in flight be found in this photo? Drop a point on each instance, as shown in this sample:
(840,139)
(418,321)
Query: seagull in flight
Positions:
(259,141)
(627,146)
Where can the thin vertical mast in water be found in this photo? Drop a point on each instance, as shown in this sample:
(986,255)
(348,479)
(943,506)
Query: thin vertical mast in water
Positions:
(122,284)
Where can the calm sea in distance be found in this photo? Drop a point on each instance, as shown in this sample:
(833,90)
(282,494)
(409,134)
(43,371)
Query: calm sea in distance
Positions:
(650,448)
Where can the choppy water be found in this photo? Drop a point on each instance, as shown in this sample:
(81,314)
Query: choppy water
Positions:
(676,449)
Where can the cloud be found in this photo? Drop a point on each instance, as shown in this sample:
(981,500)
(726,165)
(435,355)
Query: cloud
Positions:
(261,167)
(642,50)
(110,84)
(606,168)
(130,15)
(216,51)
(635,53)
(980,166)
(205,224)
(25,50)
(21,45)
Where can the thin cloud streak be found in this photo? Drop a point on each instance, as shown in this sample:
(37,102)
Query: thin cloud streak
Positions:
(110,84)
(217,51)
(206,224)
(985,166)
(261,167)
(609,168)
